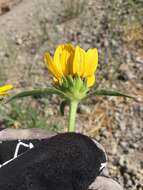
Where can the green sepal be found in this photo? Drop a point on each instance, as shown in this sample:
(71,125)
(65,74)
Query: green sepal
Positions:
(74,87)
(37,92)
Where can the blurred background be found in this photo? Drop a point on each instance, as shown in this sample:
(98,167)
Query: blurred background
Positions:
(30,27)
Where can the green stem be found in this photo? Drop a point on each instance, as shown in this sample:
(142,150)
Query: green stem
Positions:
(72,115)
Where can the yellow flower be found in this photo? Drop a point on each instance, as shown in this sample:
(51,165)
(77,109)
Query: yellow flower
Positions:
(70,60)
(4,89)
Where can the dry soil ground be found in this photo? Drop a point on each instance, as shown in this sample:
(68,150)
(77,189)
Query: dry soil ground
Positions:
(115,27)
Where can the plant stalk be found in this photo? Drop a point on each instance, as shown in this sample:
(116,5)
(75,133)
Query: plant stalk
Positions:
(72,115)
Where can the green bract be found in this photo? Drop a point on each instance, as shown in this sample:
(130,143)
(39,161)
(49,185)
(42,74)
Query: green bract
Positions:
(74,88)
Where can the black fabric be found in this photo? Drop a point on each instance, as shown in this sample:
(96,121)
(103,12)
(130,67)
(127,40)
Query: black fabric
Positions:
(7,149)
(66,161)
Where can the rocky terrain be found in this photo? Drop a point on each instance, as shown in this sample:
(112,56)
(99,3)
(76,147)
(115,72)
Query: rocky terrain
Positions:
(115,27)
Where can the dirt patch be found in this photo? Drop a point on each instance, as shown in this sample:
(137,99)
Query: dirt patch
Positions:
(6,5)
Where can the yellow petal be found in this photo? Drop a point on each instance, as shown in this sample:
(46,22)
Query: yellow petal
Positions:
(4,89)
(90,80)
(57,58)
(79,61)
(67,58)
(53,67)
(91,62)
(3,93)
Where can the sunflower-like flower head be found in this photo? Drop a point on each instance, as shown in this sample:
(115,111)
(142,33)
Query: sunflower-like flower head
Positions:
(73,69)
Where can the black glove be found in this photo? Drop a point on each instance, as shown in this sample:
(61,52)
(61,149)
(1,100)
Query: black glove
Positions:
(68,161)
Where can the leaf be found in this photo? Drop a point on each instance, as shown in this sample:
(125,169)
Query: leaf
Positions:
(104,92)
(62,106)
(37,92)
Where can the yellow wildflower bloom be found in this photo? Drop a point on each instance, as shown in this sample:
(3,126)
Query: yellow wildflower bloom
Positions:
(70,60)
(4,89)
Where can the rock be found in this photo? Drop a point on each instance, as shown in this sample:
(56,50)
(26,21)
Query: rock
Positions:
(49,112)
(6,5)
(83,109)
(14,134)
(19,41)
(122,161)
(114,147)
(134,145)
(105,183)
(124,145)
